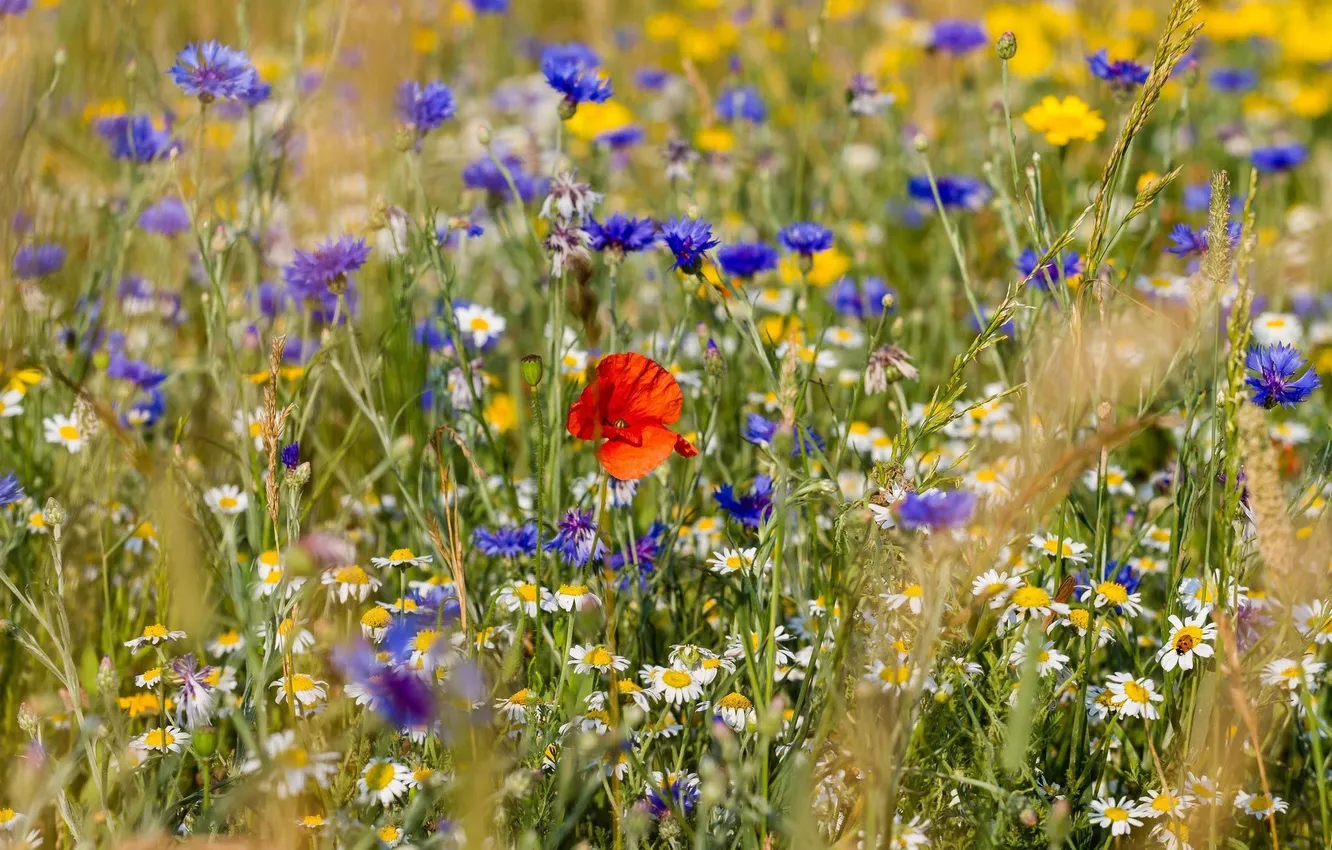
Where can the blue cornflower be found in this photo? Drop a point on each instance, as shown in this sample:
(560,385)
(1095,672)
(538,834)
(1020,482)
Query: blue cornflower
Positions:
(291,454)
(212,71)
(34,261)
(403,697)
(506,541)
(1122,74)
(805,238)
(955,191)
(862,301)
(144,413)
(572,71)
(486,174)
(1275,382)
(676,792)
(137,138)
(750,509)
(747,259)
(689,239)
(1187,242)
(621,138)
(1233,79)
(741,102)
(761,431)
(951,35)
(621,233)
(167,217)
(937,509)
(1047,275)
(490,7)
(312,274)
(576,539)
(425,107)
(651,79)
(1279,157)
(14,7)
(640,562)
(11,490)
(142,375)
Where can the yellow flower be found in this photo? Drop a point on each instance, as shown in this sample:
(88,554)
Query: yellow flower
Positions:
(714,140)
(663,26)
(502,413)
(24,378)
(1249,20)
(424,40)
(1062,121)
(597,119)
(828,268)
(107,108)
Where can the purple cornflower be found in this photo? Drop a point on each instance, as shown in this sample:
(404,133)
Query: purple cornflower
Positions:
(34,261)
(137,138)
(167,217)
(212,71)
(689,239)
(572,71)
(1276,381)
(507,541)
(291,455)
(490,7)
(1277,158)
(194,700)
(958,37)
(863,97)
(937,509)
(741,102)
(651,79)
(399,694)
(1187,242)
(311,274)
(955,191)
(14,7)
(761,432)
(747,259)
(750,509)
(145,412)
(425,107)
(677,792)
(805,238)
(142,375)
(1122,74)
(1232,79)
(860,302)
(641,561)
(486,174)
(1053,271)
(11,491)
(621,233)
(576,540)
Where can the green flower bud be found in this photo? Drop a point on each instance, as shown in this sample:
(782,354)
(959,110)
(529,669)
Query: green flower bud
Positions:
(1006,46)
(532,367)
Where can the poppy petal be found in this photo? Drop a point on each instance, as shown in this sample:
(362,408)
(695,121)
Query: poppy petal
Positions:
(640,390)
(684,447)
(584,421)
(628,462)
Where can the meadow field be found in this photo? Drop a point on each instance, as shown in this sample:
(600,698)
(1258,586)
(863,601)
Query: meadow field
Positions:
(672,424)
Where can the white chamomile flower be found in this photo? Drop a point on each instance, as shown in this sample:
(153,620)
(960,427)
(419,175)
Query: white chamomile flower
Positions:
(1187,638)
(995,586)
(1259,805)
(154,633)
(481,324)
(65,431)
(1119,816)
(674,685)
(227,500)
(1068,548)
(585,659)
(401,558)
(729,561)
(383,781)
(911,596)
(1134,697)
(163,739)
(1048,659)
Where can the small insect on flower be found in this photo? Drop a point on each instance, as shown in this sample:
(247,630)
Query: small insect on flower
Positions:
(328,268)
(1119,816)
(163,739)
(1133,697)
(1281,378)
(402,558)
(227,500)
(154,633)
(1188,637)
(585,659)
(627,408)
(383,781)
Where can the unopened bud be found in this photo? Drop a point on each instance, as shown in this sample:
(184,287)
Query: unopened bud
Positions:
(404,139)
(108,678)
(53,514)
(28,720)
(483,135)
(532,367)
(204,741)
(568,109)
(920,143)
(1006,46)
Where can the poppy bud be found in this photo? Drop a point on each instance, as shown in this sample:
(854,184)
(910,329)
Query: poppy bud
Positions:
(204,742)
(1006,46)
(532,367)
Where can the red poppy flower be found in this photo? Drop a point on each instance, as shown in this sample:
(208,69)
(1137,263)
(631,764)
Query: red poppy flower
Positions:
(629,406)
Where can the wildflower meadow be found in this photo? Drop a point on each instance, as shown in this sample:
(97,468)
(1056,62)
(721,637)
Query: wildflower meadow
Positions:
(673,424)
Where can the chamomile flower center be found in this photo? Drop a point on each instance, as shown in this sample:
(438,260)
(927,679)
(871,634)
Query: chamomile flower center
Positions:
(526,592)
(378,776)
(68,432)
(155,630)
(301,682)
(1030,597)
(735,700)
(1136,692)
(351,575)
(1114,592)
(1115,813)
(597,657)
(159,738)
(676,679)
(425,640)
(401,555)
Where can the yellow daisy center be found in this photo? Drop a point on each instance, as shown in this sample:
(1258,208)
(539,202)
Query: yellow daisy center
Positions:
(676,679)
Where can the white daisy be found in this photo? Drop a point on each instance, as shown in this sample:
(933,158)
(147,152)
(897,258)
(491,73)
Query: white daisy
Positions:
(306,689)
(576,597)
(402,558)
(1187,638)
(996,586)
(481,324)
(587,658)
(349,582)
(154,633)
(1069,549)
(162,740)
(1133,697)
(383,781)
(675,685)
(65,430)
(227,499)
